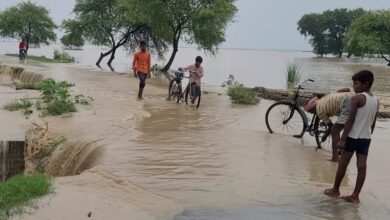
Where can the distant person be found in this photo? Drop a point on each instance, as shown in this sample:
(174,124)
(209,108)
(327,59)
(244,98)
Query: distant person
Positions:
(333,104)
(22,48)
(197,73)
(357,134)
(141,67)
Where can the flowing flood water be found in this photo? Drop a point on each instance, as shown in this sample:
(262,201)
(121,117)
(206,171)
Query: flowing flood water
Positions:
(215,162)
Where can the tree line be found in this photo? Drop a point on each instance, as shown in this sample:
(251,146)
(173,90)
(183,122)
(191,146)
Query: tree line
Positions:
(352,32)
(124,23)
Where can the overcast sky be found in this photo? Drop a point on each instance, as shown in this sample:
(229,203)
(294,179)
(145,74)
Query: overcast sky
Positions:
(259,24)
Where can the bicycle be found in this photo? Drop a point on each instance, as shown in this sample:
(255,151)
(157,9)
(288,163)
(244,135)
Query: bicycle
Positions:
(22,55)
(287,117)
(175,90)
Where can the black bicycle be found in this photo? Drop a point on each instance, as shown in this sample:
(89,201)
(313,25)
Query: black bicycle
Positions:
(287,117)
(175,90)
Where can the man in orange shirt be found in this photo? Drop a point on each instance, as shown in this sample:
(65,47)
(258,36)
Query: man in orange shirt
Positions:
(141,65)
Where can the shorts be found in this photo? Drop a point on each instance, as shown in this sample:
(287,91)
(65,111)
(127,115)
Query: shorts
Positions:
(361,146)
(344,111)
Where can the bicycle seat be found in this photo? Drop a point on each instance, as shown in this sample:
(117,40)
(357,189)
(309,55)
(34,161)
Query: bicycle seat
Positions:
(179,74)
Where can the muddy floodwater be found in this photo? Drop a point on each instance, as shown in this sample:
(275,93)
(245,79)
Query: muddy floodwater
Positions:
(172,161)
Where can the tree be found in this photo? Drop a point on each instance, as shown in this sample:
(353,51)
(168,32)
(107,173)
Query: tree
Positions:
(29,21)
(369,34)
(337,23)
(105,23)
(327,30)
(314,25)
(73,36)
(199,22)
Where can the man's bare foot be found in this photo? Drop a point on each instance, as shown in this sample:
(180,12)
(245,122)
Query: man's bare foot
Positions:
(351,199)
(332,193)
(139,98)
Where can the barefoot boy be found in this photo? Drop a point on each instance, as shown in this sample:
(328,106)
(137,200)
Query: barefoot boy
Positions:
(357,134)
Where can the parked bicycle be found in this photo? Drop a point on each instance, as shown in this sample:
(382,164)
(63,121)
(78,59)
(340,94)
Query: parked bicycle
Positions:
(288,118)
(175,91)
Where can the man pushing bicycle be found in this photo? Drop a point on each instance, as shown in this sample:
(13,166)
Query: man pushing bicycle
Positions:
(197,72)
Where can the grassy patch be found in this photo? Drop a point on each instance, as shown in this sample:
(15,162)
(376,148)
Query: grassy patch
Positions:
(63,57)
(293,73)
(18,191)
(40,59)
(34,86)
(240,94)
(55,98)
(17,105)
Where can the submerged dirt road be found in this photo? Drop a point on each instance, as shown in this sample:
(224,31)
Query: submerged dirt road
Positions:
(160,160)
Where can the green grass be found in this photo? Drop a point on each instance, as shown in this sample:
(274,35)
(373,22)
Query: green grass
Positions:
(238,93)
(293,73)
(17,105)
(41,59)
(18,191)
(33,86)
(241,95)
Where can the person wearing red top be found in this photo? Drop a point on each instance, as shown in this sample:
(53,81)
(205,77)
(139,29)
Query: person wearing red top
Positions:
(142,67)
(22,48)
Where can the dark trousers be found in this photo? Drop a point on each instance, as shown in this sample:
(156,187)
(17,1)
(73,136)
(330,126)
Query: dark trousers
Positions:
(142,79)
(196,90)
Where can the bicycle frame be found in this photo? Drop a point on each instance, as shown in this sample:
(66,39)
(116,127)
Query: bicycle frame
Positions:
(295,102)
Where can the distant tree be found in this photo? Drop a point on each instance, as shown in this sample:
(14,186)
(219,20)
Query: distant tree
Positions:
(314,26)
(370,34)
(29,21)
(327,30)
(199,22)
(337,24)
(74,35)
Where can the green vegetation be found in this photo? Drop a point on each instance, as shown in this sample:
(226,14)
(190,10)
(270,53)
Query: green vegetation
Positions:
(18,104)
(40,59)
(370,35)
(293,73)
(63,57)
(240,94)
(33,86)
(104,23)
(328,29)
(198,22)
(18,191)
(55,98)
(29,21)
(73,37)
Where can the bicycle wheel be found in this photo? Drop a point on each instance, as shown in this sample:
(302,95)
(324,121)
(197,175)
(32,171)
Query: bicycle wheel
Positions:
(173,90)
(284,118)
(322,135)
(194,100)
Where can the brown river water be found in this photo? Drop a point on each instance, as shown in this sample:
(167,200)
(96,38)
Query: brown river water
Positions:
(161,160)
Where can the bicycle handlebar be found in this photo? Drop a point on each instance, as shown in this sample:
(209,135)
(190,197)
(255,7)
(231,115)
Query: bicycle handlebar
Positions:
(298,86)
